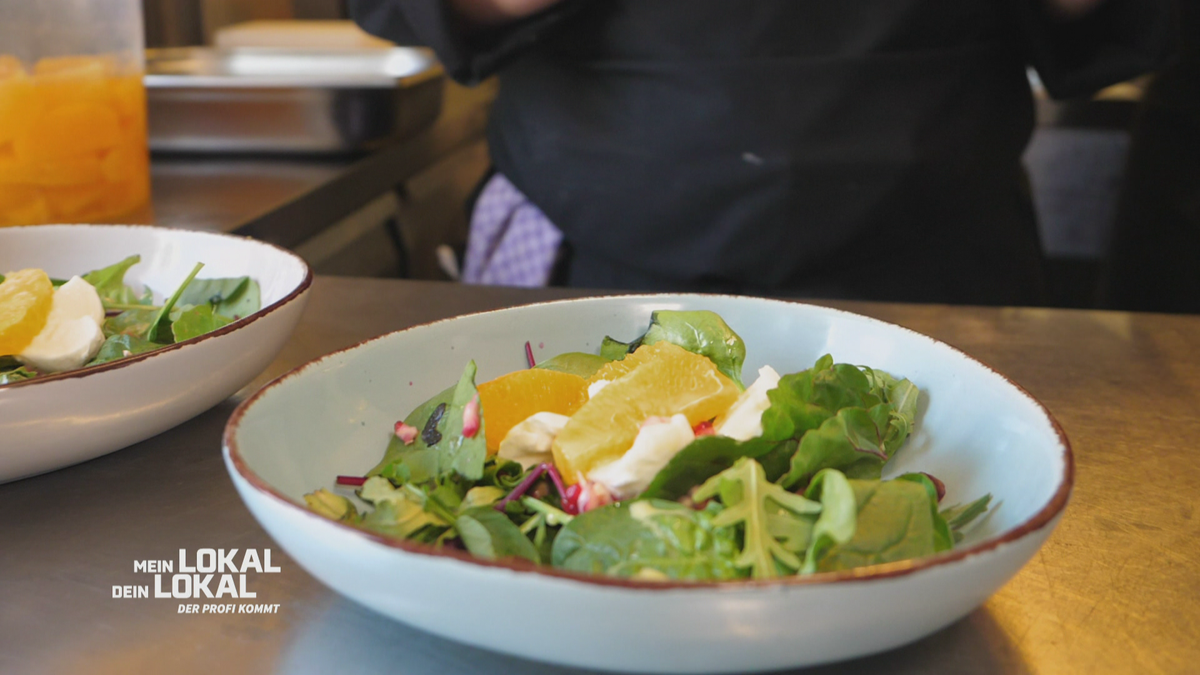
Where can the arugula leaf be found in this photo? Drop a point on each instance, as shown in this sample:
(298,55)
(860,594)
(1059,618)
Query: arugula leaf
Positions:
(702,332)
(197,321)
(752,500)
(708,456)
(647,539)
(575,363)
(157,331)
(118,347)
(838,519)
(489,534)
(894,523)
(332,506)
(232,298)
(109,283)
(958,517)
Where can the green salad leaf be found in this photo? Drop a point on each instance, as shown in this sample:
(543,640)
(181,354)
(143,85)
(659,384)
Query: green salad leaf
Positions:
(231,298)
(708,456)
(399,513)
(959,516)
(839,516)
(133,322)
(894,522)
(758,504)
(118,347)
(18,374)
(943,538)
(489,534)
(155,332)
(575,363)
(197,321)
(702,332)
(649,539)
(110,285)
(332,506)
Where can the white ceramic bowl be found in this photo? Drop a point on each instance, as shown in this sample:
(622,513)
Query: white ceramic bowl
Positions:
(977,431)
(59,420)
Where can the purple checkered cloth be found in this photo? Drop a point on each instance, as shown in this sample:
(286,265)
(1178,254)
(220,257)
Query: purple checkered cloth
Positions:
(512,243)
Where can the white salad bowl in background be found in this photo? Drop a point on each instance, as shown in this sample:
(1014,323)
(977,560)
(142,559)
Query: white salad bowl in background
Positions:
(58,420)
(976,431)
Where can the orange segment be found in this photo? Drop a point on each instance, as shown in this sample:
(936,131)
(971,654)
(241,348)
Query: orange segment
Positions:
(510,399)
(663,381)
(25,299)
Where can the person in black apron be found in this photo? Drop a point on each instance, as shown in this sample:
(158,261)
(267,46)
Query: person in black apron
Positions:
(858,149)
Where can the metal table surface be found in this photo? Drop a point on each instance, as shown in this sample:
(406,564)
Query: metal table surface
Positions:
(1115,590)
(287,199)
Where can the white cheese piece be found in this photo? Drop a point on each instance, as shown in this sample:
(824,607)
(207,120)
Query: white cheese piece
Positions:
(595,387)
(656,443)
(72,334)
(529,442)
(743,421)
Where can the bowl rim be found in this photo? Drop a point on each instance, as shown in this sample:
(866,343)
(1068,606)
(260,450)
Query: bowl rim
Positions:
(237,467)
(144,356)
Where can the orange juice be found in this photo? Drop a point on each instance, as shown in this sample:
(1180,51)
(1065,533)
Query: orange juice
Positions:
(72,140)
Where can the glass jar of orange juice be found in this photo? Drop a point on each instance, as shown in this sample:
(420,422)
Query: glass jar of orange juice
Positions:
(73,145)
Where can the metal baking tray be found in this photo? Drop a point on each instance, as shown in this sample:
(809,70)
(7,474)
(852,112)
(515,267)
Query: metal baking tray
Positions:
(288,101)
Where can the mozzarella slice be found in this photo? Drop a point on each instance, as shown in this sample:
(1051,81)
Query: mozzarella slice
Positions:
(657,442)
(72,334)
(743,421)
(529,442)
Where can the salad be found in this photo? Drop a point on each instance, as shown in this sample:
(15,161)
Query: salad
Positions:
(53,325)
(652,460)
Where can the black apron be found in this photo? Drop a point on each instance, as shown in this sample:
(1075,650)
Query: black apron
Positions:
(864,148)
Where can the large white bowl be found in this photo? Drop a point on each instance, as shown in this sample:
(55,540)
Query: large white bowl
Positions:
(59,420)
(977,431)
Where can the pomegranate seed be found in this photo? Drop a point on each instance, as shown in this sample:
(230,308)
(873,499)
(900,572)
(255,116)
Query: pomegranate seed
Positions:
(406,433)
(471,418)
(704,428)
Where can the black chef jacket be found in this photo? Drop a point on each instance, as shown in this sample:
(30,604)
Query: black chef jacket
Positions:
(858,148)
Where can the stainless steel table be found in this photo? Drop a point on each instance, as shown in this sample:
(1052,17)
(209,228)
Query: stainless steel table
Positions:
(1115,590)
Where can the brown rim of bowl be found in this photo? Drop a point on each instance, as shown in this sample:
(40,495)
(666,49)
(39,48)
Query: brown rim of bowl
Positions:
(224,330)
(1037,521)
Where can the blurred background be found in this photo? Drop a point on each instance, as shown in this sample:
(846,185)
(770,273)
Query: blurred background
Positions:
(361,159)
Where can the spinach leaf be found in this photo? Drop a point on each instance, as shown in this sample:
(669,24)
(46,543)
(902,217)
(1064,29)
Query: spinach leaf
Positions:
(232,298)
(459,454)
(118,347)
(158,331)
(958,517)
(708,456)
(894,523)
(702,332)
(197,321)
(851,438)
(109,283)
(838,519)
(489,534)
(575,363)
(803,401)
(943,540)
(332,506)
(134,322)
(648,539)
(750,499)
